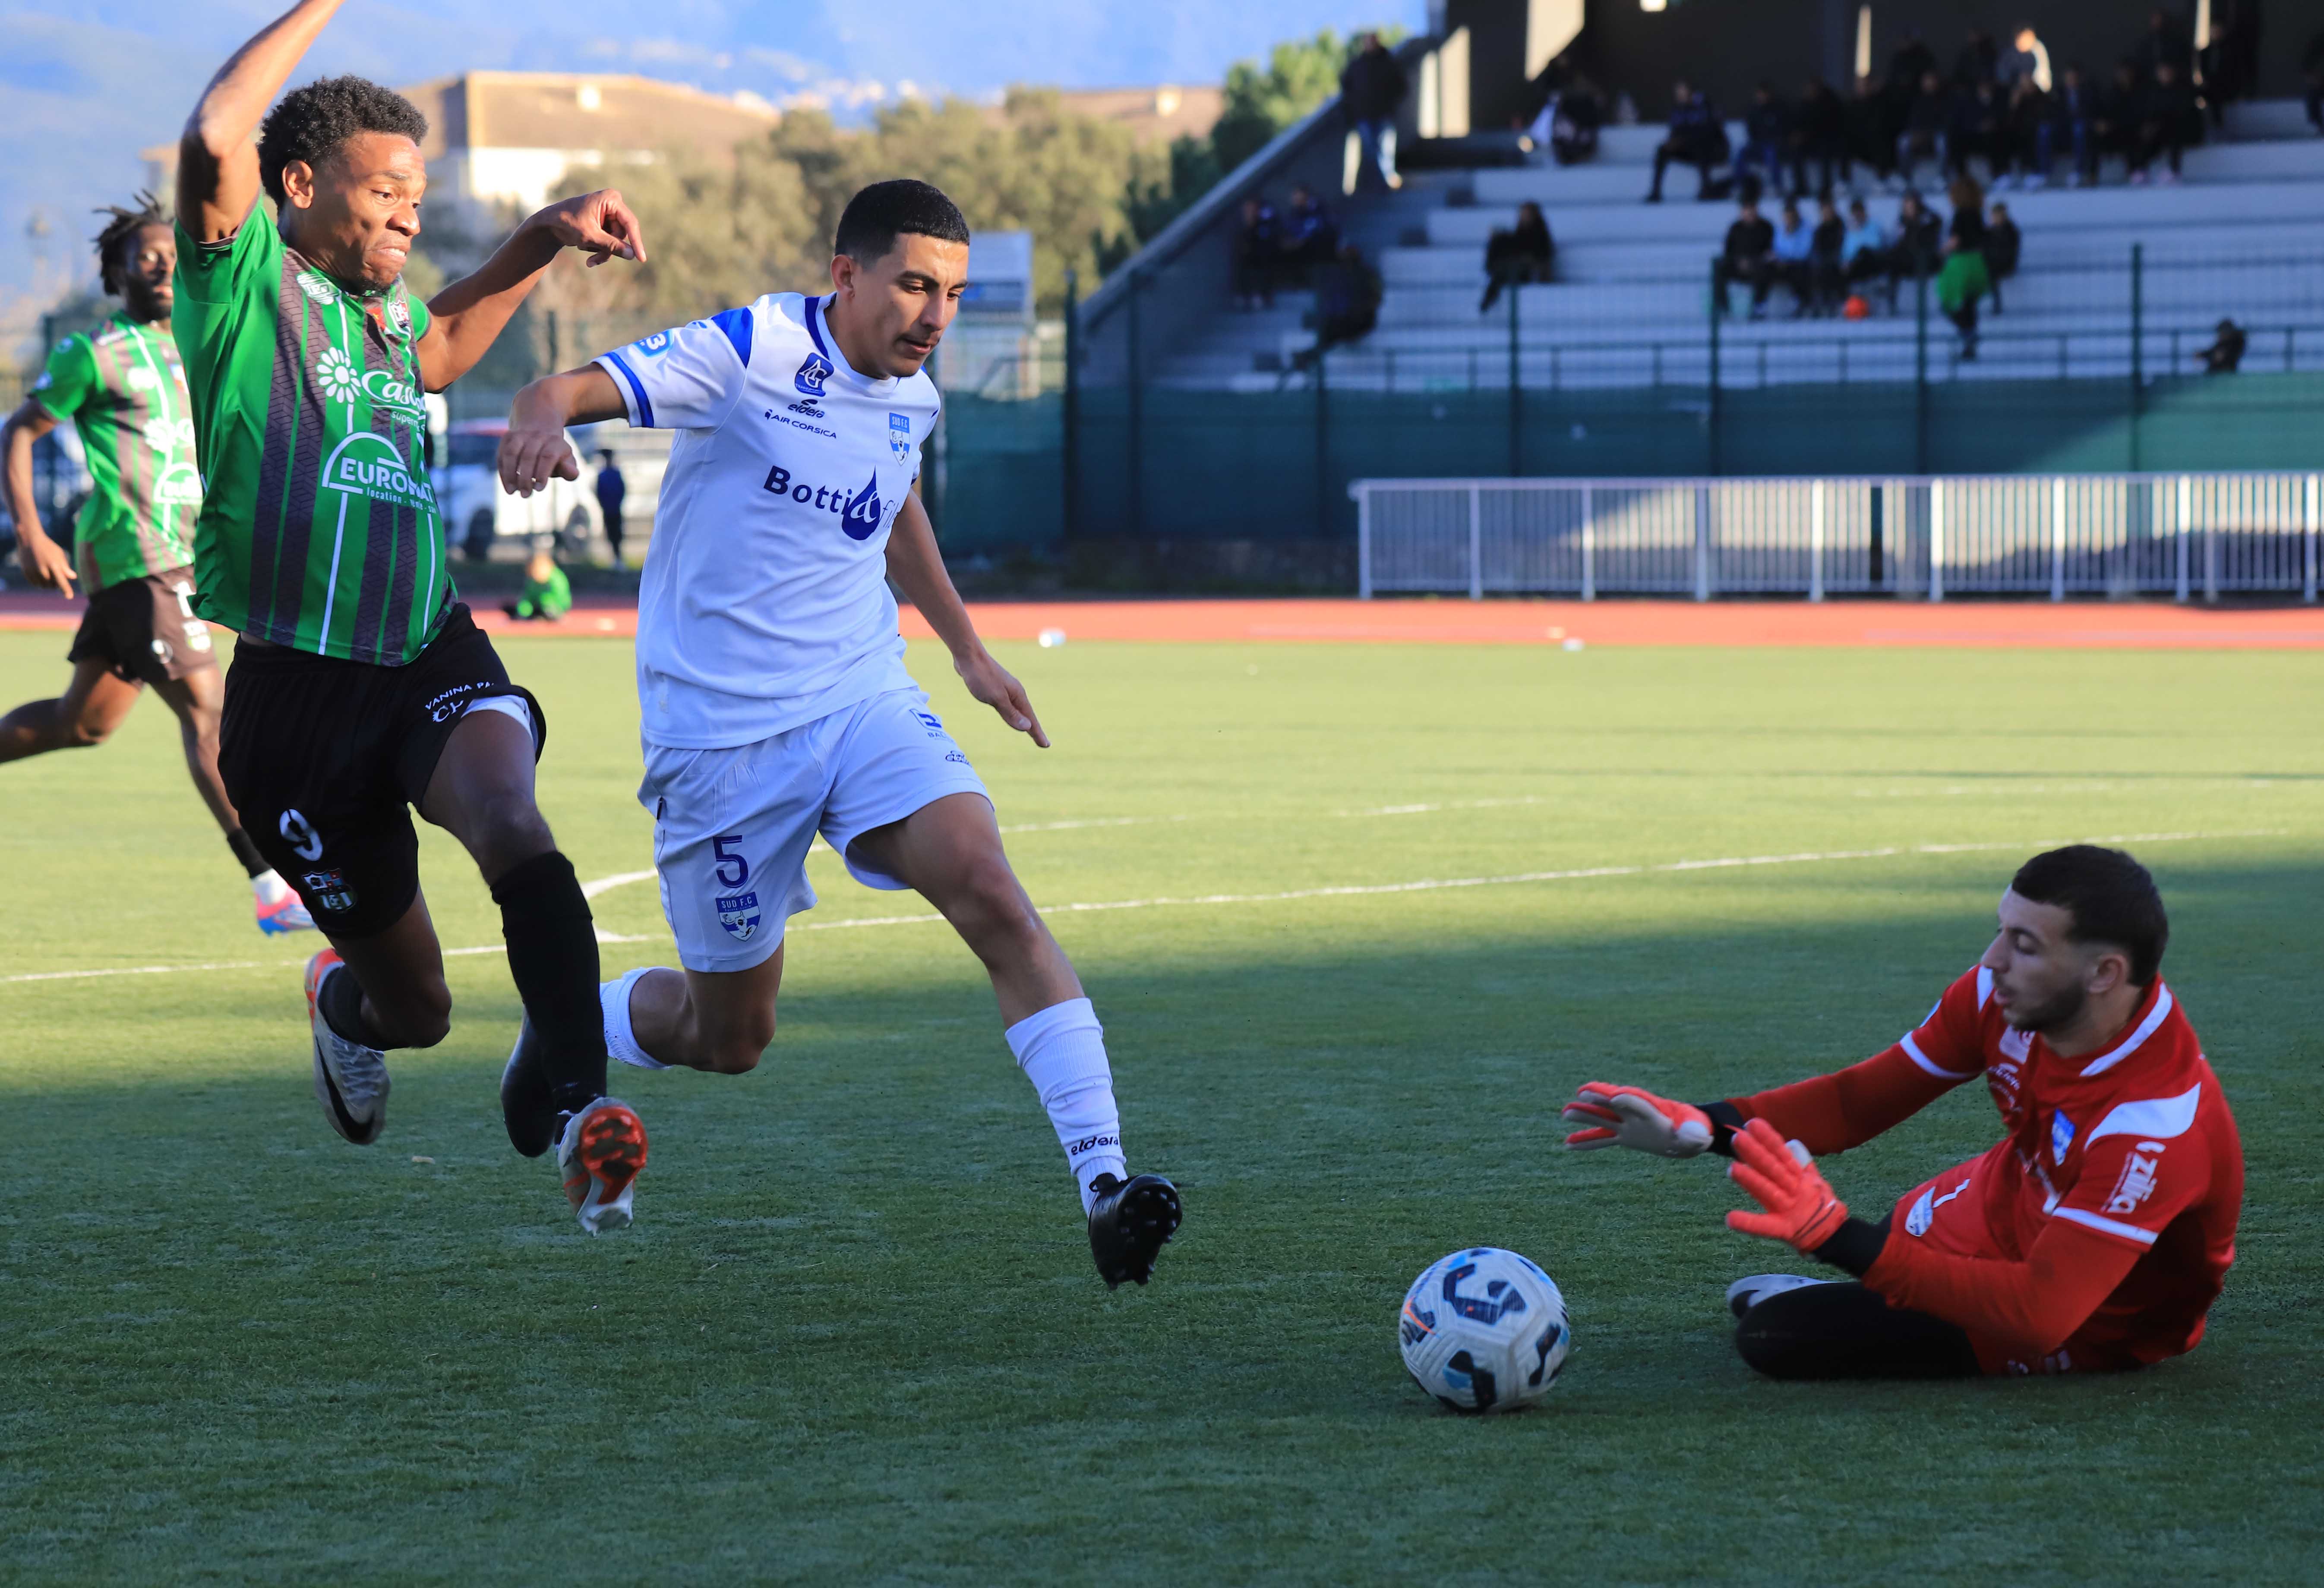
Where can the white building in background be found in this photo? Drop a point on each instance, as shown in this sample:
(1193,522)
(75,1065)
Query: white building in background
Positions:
(502,140)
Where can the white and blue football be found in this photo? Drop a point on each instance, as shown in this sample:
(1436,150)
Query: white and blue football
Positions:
(1484,1330)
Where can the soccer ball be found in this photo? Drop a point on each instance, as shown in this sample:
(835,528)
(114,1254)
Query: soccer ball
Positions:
(1484,1330)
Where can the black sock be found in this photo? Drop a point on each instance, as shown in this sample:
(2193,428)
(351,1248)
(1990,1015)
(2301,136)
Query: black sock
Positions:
(247,853)
(340,998)
(552,952)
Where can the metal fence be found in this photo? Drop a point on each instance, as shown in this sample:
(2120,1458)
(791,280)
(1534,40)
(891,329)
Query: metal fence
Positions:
(2192,535)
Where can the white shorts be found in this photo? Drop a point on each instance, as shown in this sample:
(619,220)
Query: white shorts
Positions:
(733,827)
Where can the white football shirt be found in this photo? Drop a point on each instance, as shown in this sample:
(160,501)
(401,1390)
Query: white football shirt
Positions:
(764,602)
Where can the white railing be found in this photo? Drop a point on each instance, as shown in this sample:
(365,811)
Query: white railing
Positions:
(2188,534)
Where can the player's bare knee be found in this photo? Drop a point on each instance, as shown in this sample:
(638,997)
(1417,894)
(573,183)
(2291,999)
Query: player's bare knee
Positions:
(992,912)
(737,1047)
(420,1017)
(510,832)
(84,733)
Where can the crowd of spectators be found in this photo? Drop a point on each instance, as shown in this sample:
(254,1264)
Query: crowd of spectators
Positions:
(2001,109)
(1280,249)
(1840,262)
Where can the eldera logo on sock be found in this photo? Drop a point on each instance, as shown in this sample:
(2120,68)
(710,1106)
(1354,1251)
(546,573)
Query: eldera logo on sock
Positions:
(1091,1144)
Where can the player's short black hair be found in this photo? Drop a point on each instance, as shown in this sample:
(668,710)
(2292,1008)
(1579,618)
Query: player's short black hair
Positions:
(112,243)
(312,121)
(877,215)
(2112,898)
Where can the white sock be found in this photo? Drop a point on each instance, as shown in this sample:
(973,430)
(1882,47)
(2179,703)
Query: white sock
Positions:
(1062,1051)
(620,1042)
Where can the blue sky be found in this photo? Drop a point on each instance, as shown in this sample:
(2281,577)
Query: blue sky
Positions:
(84,86)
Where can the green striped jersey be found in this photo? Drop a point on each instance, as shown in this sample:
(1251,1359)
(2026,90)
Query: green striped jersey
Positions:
(319,530)
(124,391)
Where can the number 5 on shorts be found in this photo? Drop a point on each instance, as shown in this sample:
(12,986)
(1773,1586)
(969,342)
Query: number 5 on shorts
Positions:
(733,869)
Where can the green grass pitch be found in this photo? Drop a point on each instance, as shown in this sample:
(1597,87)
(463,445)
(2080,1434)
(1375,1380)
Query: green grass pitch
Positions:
(856,1335)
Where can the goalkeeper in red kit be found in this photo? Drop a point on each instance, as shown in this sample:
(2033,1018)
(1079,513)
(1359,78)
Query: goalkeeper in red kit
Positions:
(2092,1238)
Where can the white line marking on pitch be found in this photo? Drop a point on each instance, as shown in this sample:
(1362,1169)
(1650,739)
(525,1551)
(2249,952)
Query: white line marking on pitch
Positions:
(1345,890)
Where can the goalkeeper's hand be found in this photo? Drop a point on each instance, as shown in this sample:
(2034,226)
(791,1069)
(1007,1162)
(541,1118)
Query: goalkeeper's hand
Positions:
(1801,1209)
(1632,1116)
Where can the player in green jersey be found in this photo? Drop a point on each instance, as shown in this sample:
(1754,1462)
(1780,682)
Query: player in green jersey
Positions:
(361,688)
(124,391)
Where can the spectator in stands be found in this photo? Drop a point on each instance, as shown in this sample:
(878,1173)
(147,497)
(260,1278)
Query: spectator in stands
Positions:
(1864,250)
(2312,66)
(1871,133)
(2164,43)
(1827,272)
(1747,257)
(1311,236)
(1525,253)
(1912,252)
(2168,121)
(2003,246)
(1697,138)
(1819,133)
(2225,353)
(2071,108)
(1347,302)
(1569,121)
(1766,133)
(2113,125)
(1926,123)
(2028,60)
(613,490)
(1259,255)
(2021,123)
(1978,130)
(548,593)
(1370,88)
(1792,257)
(1913,61)
(1979,61)
(1963,277)
(2231,60)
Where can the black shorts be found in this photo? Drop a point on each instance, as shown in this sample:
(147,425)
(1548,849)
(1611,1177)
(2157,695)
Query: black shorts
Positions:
(325,758)
(144,628)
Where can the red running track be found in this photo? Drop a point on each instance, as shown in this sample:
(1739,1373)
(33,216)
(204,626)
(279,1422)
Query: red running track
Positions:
(1989,625)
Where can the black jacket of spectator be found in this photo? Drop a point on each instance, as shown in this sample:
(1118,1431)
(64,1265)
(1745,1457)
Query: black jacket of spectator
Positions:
(2003,246)
(1769,120)
(1750,239)
(1931,113)
(1980,61)
(1829,236)
(2163,41)
(1527,243)
(1913,58)
(1821,123)
(1372,86)
(2169,108)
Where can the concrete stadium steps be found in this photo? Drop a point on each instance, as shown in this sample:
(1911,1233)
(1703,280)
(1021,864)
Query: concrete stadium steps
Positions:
(2146,212)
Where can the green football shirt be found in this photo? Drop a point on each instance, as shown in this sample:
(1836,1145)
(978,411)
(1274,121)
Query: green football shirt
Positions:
(319,530)
(124,390)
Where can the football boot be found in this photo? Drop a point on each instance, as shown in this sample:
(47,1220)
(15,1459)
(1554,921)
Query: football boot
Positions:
(350,1080)
(599,1154)
(1128,1224)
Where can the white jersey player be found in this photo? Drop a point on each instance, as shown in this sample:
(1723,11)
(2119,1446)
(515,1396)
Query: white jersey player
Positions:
(770,676)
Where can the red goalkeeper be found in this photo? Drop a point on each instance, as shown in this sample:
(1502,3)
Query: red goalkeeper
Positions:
(2093,1237)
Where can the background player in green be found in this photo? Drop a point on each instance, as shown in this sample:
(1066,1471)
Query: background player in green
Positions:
(361,688)
(124,391)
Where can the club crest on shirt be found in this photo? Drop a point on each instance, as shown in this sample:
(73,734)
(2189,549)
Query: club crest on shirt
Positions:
(899,435)
(330,890)
(812,374)
(2061,1135)
(739,915)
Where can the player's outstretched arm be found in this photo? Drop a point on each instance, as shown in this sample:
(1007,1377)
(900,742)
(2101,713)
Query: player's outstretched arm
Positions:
(918,568)
(217,162)
(1632,1117)
(43,560)
(535,450)
(469,315)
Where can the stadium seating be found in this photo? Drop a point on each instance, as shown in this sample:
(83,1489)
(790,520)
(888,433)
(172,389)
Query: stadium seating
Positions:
(2242,237)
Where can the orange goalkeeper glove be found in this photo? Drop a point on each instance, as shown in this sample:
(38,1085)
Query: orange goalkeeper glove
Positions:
(1632,1116)
(1801,1209)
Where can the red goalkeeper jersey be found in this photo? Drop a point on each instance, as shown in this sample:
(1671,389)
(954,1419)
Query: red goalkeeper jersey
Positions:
(2108,1209)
